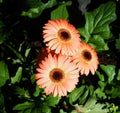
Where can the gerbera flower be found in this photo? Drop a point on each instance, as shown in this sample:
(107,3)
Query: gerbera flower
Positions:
(61,36)
(86,59)
(57,74)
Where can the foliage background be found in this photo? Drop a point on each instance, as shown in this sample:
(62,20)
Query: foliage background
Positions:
(21,39)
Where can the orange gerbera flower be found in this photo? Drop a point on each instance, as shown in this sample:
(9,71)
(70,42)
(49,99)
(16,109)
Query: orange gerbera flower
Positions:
(61,36)
(86,59)
(57,74)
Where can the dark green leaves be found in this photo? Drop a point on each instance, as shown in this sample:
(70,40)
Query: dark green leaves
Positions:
(97,24)
(17,76)
(76,93)
(4,74)
(42,105)
(80,94)
(118,43)
(109,70)
(52,101)
(38,8)
(61,11)
(24,106)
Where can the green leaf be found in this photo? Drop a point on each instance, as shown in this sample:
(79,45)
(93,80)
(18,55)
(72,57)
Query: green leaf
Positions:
(83,98)
(109,70)
(16,53)
(45,109)
(99,93)
(61,11)
(32,78)
(35,110)
(24,106)
(4,74)
(52,101)
(61,111)
(27,52)
(37,92)
(98,43)
(117,44)
(118,76)
(97,21)
(102,84)
(17,76)
(91,89)
(114,92)
(91,106)
(101,76)
(28,110)
(38,9)
(76,93)
(21,92)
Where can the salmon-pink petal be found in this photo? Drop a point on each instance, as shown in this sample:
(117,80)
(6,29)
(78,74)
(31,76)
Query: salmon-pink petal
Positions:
(86,59)
(55,29)
(47,76)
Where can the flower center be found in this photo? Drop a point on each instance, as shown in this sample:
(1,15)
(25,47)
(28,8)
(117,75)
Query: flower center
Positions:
(87,55)
(57,75)
(64,34)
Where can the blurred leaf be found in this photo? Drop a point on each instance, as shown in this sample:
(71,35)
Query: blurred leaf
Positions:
(45,109)
(27,52)
(16,53)
(42,108)
(91,106)
(20,111)
(118,76)
(52,101)
(101,76)
(32,78)
(61,111)
(61,11)
(97,22)
(35,110)
(17,76)
(2,106)
(21,92)
(1,1)
(24,106)
(76,93)
(4,74)
(114,92)
(109,70)
(28,110)
(2,38)
(117,44)
(38,9)
(38,90)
